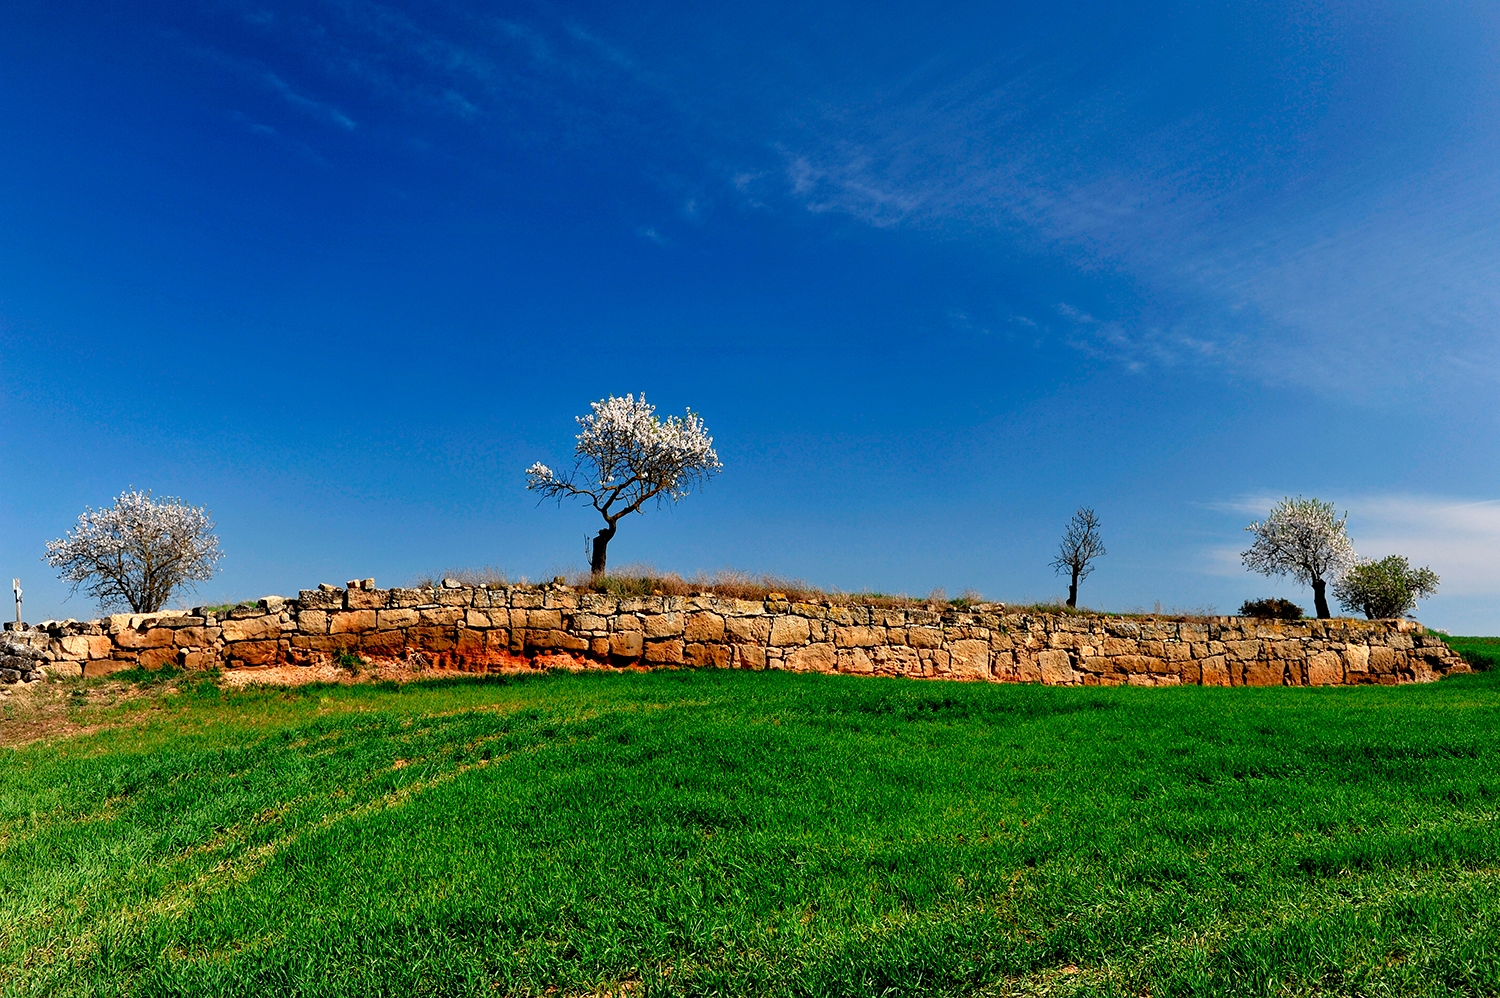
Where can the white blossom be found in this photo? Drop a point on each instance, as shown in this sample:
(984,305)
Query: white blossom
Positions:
(1302,538)
(627,456)
(138,552)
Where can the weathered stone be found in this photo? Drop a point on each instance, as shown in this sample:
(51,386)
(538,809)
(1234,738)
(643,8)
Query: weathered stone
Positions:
(789,631)
(351,622)
(861,637)
(383,644)
(705,627)
(711,656)
(1325,668)
(970,658)
(663,625)
(449,616)
(1263,673)
(392,620)
(924,637)
(667,652)
(156,637)
(1056,667)
(855,660)
(749,657)
(261,628)
(86,646)
(252,652)
(366,599)
(627,644)
(821,657)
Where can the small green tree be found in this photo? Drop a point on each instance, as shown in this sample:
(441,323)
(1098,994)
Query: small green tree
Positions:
(1386,588)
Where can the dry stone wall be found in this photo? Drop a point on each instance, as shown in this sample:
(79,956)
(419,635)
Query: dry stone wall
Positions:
(512,628)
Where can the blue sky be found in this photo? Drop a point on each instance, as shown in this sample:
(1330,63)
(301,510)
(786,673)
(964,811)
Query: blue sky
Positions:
(935,275)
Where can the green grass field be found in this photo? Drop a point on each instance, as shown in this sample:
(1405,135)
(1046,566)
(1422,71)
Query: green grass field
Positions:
(754,834)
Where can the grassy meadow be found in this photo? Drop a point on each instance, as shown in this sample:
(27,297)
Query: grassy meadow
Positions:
(723,833)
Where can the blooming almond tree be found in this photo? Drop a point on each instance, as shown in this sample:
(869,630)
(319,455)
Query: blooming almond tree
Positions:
(138,552)
(626,457)
(1304,539)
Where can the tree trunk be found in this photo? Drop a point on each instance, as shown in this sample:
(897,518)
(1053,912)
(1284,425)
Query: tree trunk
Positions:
(1320,600)
(601,545)
(1073,589)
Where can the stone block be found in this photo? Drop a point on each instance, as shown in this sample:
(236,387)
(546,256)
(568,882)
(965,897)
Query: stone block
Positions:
(155,658)
(627,644)
(1242,651)
(1261,673)
(197,637)
(477,620)
(821,657)
(589,622)
(95,668)
(263,628)
(313,621)
(663,625)
(1119,646)
(599,647)
(705,627)
(1381,660)
(86,646)
(709,656)
(196,660)
(1056,667)
(156,637)
(749,657)
(1028,669)
(970,658)
(1326,668)
(326,643)
(924,637)
(383,644)
(448,616)
(856,661)
(366,599)
(860,637)
(896,660)
(788,631)
(431,638)
(665,652)
(252,652)
(320,599)
(351,622)
(392,620)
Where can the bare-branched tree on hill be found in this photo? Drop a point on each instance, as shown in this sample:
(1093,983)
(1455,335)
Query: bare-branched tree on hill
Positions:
(138,552)
(1080,546)
(626,457)
(1303,538)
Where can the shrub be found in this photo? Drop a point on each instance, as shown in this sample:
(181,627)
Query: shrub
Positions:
(1274,608)
(1386,588)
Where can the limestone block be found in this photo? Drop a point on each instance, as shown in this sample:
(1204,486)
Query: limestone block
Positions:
(896,660)
(1119,646)
(156,637)
(556,640)
(1357,658)
(856,661)
(599,647)
(262,628)
(383,644)
(1177,651)
(1263,673)
(821,657)
(1382,660)
(1326,668)
(155,658)
(1028,669)
(1138,664)
(525,599)
(924,637)
(195,637)
(408,598)
(1153,648)
(860,637)
(1056,667)
(197,660)
(320,599)
(589,622)
(537,619)
(87,646)
(708,656)
(626,644)
(394,620)
(449,616)
(253,652)
(749,657)
(313,621)
(366,599)
(624,622)
(970,658)
(347,622)
(663,625)
(429,638)
(452,597)
(1192,672)
(477,620)
(788,630)
(667,652)
(95,668)
(1243,651)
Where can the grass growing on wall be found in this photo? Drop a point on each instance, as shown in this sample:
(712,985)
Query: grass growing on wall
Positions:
(755,834)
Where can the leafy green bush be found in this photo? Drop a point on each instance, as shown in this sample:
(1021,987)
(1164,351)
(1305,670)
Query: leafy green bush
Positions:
(1386,588)
(1272,609)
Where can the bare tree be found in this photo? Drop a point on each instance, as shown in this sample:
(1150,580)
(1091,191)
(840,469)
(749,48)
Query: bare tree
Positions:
(138,552)
(1080,546)
(1304,539)
(626,457)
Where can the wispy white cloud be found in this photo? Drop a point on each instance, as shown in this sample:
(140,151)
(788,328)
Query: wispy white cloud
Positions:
(316,108)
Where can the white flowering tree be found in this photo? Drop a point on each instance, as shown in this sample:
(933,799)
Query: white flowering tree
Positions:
(138,552)
(626,457)
(1305,539)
